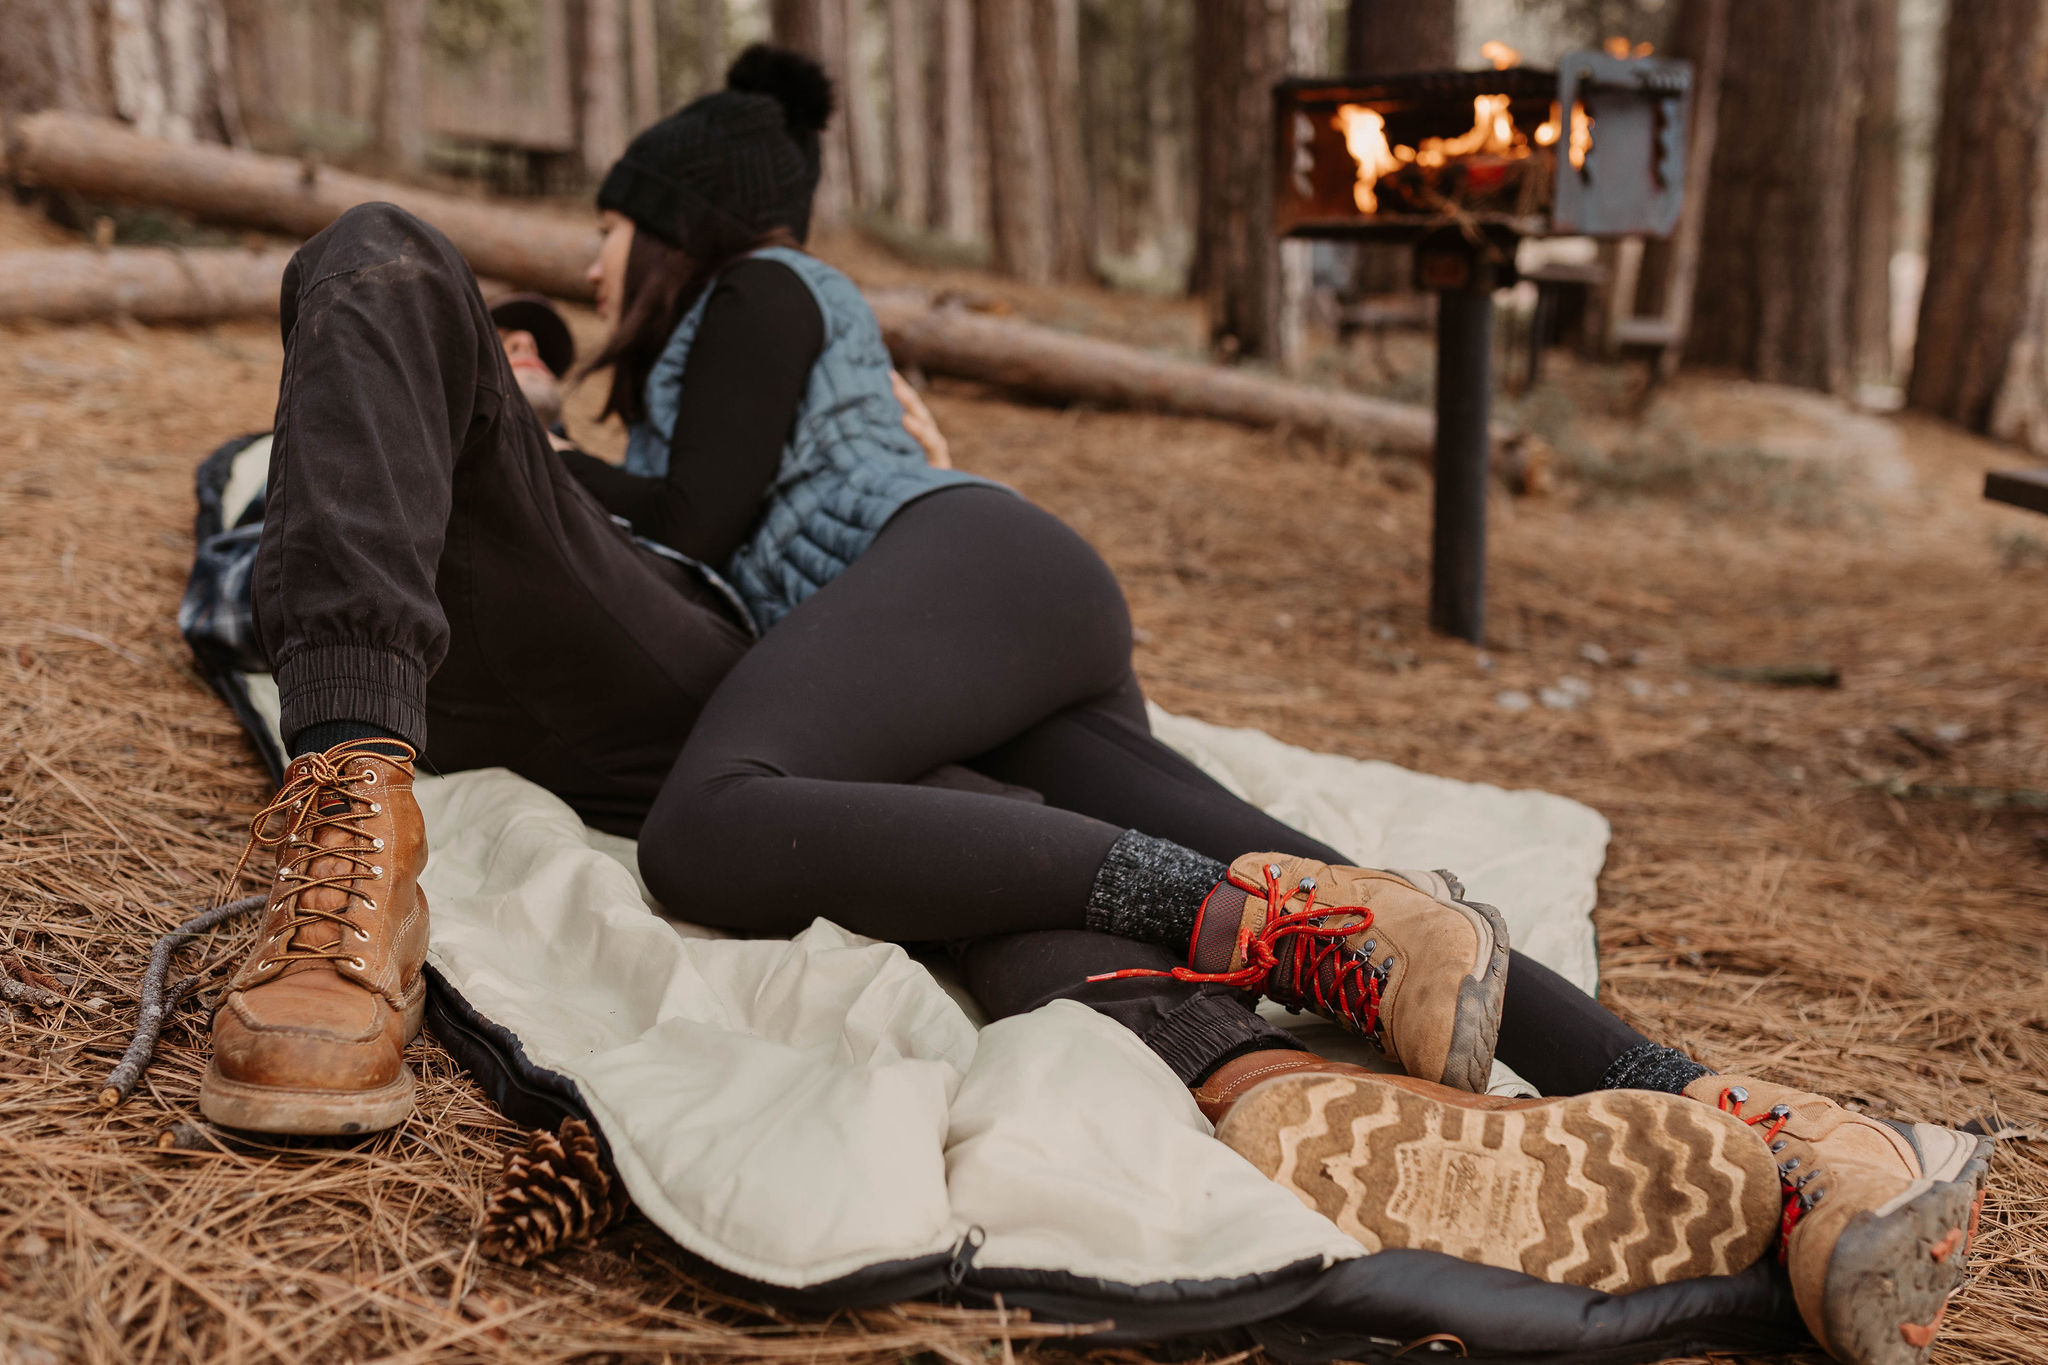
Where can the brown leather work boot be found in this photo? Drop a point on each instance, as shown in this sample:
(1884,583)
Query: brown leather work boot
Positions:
(1617,1190)
(1228,1083)
(1879,1215)
(310,1035)
(1398,956)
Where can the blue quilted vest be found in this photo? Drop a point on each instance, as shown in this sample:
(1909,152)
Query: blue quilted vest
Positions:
(849,465)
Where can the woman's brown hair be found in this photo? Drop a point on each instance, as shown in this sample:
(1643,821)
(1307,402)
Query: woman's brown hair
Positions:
(663,282)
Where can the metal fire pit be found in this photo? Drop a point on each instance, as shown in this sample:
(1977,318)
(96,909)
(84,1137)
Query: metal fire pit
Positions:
(1464,164)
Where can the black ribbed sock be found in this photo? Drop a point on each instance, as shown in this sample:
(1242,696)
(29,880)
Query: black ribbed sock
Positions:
(1151,890)
(1652,1067)
(318,739)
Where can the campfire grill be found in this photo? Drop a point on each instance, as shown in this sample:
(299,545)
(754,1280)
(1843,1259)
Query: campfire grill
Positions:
(1464,164)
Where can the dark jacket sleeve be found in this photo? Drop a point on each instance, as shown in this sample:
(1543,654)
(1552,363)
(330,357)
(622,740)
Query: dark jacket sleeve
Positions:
(746,375)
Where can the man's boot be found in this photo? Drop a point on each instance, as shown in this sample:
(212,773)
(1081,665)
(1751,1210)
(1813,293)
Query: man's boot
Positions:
(1398,956)
(310,1035)
(1878,1215)
(1617,1190)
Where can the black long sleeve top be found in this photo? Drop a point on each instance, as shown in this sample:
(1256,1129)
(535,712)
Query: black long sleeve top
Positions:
(741,387)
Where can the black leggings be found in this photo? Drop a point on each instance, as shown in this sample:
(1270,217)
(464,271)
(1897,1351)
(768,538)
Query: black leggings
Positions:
(978,630)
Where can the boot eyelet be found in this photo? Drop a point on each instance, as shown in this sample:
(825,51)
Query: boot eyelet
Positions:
(358,964)
(1305,884)
(362,934)
(376,872)
(369,777)
(1780,1111)
(369,903)
(377,844)
(1273,871)
(266,964)
(376,809)
(1738,1094)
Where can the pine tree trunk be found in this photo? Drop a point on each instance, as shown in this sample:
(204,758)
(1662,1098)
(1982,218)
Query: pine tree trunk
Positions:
(1308,35)
(710,45)
(867,139)
(140,93)
(604,87)
(1875,215)
(817,29)
(1059,72)
(1980,357)
(1240,51)
(1773,292)
(959,181)
(1383,38)
(401,123)
(250,58)
(1670,269)
(647,100)
(1169,224)
(1022,233)
(909,118)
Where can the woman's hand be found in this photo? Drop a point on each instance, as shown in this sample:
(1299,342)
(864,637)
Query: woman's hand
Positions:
(919,422)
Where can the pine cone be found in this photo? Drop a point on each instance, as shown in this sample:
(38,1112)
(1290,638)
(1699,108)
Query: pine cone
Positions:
(555,1192)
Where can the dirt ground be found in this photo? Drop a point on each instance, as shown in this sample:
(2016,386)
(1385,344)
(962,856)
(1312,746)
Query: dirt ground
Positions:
(1844,886)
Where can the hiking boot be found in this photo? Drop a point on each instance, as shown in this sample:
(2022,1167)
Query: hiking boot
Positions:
(310,1035)
(1878,1215)
(1616,1191)
(1397,956)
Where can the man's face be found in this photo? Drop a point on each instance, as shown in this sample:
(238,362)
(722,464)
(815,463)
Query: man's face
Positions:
(535,379)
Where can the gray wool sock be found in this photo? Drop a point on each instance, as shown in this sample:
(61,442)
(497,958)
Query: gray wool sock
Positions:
(1151,889)
(1652,1067)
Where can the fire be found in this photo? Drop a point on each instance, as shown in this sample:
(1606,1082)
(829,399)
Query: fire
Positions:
(1618,48)
(1500,54)
(1365,137)
(1581,141)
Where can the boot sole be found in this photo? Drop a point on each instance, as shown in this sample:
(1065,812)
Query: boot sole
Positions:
(313,1113)
(1475,1032)
(1893,1269)
(282,1109)
(1616,1191)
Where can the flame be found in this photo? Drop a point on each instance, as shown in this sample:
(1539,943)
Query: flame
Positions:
(1617,47)
(1500,54)
(1582,136)
(1492,131)
(1365,137)
(1547,131)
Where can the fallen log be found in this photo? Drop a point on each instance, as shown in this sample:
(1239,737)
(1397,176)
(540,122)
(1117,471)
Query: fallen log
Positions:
(1055,364)
(535,249)
(98,157)
(149,284)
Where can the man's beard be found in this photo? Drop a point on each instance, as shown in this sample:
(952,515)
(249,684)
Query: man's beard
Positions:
(542,392)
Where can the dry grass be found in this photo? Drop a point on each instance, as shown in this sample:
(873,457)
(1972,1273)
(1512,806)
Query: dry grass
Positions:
(1766,903)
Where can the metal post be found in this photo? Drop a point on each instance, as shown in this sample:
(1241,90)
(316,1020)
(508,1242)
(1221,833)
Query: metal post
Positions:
(1464,388)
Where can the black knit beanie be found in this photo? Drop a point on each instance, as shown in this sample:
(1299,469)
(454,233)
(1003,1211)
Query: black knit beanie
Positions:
(747,153)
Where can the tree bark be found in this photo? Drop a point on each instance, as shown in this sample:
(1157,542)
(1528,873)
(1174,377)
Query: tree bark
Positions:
(1163,134)
(1773,291)
(866,138)
(149,284)
(1240,51)
(253,64)
(817,29)
(1980,359)
(1308,36)
(1022,230)
(402,113)
(909,116)
(710,45)
(959,186)
(647,99)
(604,87)
(1384,38)
(1671,267)
(1875,215)
(103,159)
(1059,73)
(141,95)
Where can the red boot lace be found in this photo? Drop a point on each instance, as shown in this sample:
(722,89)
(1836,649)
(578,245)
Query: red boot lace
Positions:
(1797,1201)
(1354,989)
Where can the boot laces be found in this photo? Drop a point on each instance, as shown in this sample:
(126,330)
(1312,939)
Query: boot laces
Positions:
(1797,1200)
(325,795)
(1355,984)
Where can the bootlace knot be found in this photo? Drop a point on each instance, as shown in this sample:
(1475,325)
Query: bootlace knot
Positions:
(1355,984)
(323,795)
(1798,1202)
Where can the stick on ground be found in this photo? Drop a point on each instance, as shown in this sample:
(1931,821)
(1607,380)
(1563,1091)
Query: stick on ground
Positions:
(157,1004)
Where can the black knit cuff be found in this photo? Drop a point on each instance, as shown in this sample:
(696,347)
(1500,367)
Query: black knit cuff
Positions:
(1652,1067)
(323,683)
(1201,1034)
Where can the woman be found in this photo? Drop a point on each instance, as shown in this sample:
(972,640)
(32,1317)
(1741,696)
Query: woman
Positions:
(936,737)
